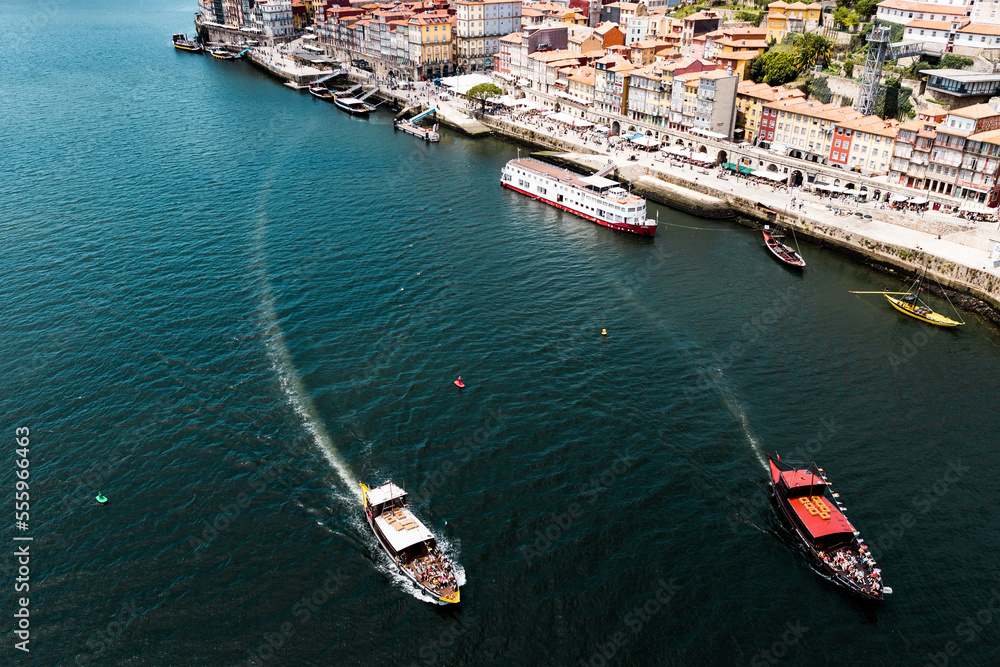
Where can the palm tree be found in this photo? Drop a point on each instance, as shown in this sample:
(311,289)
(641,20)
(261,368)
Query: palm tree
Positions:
(812,49)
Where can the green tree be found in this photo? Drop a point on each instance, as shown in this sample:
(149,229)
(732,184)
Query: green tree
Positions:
(750,15)
(482,93)
(852,19)
(779,68)
(866,8)
(812,50)
(840,15)
(849,68)
(821,89)
(951,61)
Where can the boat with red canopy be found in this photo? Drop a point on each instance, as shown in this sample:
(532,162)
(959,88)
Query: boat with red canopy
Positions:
(813,511)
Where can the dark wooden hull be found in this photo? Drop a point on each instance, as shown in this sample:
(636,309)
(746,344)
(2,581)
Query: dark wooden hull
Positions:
(783,253)
(787,516)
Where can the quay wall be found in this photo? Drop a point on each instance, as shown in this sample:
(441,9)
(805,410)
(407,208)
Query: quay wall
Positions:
(968,288)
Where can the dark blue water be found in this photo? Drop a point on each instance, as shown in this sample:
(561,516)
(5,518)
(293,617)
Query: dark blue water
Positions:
(225,303)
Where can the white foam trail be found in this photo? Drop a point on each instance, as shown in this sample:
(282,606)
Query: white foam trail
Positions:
(739,414)
(291,383)
(716,374)
(300,400)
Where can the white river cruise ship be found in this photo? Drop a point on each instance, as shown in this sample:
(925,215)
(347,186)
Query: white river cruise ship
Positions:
(595,198)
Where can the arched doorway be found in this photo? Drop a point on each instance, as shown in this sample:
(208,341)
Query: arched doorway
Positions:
(772,167)
(721,157)
(795,179)
(679,142)
(849,186)
(616,128)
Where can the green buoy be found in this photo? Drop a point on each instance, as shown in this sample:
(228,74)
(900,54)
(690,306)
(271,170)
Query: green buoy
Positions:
(100,498)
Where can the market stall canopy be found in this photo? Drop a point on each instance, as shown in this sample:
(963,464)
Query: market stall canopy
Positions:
(898,198)
(919,200)
(646,141)
(462,84)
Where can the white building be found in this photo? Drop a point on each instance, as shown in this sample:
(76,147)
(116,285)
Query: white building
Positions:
(276,18)
(638,27)
(904,11)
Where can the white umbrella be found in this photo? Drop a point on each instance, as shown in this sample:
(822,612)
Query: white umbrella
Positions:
(898,198)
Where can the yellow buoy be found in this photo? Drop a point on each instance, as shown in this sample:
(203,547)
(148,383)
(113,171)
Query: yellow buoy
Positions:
(604,332)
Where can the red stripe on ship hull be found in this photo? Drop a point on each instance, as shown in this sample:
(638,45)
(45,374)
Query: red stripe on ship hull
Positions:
(631,229)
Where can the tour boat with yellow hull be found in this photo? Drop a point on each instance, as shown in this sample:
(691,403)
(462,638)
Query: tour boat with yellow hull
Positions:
(813,512)
(182,43)
(408,542)
(909,303)
(595,198)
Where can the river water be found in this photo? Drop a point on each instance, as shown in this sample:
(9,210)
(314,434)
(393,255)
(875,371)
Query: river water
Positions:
(225,303)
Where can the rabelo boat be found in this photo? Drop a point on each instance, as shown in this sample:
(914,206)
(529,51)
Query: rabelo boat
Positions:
(813,512)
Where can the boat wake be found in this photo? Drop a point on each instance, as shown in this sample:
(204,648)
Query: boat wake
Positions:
(739,414)
(301,402)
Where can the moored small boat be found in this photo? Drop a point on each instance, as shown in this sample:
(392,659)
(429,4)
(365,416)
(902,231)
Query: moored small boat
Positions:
(408,542)
(353,105)
(182,43)
(322,92)
(223,54)
(783,251)
(814,514)
(909,303)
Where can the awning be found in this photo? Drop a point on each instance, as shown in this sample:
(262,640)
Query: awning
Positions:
(632,137)
(746,170)
(400,538)
(599,181)
(729,165)
(602,128)
(771,175)
(898,198)
(678,150)
(523,82)
(648,142)
(919,200)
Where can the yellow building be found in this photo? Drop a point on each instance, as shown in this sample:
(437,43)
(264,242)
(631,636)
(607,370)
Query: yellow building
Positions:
(750,99)
(783,18)
(646,51)
(581,85)
(806,128)
(431,44)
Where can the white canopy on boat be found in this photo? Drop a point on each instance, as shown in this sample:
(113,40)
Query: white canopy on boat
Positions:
(384,493)
(599,181)
(400,538)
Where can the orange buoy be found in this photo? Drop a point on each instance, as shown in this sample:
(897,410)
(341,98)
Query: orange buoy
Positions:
(459,383)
